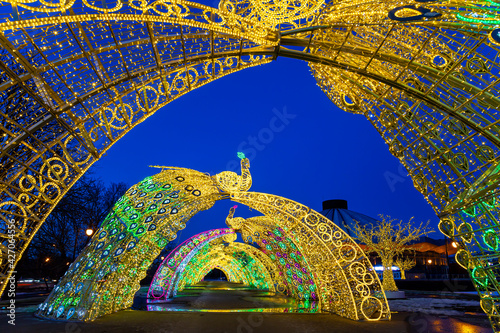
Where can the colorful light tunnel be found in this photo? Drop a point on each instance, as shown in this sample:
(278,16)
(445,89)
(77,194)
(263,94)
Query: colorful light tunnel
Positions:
(200,254)
(290,250)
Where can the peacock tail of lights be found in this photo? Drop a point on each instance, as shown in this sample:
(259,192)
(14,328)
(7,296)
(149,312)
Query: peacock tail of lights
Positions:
(77,75)
(305,255)
(106,275)
(295,278)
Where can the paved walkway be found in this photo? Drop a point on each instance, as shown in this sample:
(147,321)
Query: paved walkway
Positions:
(196,310)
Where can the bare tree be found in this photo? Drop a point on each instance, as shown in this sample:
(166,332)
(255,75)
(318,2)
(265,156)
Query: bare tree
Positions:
(62,236)
(388,239)
(93,201)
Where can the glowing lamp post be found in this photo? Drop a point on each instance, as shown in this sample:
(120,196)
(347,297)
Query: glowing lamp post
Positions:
(89,232)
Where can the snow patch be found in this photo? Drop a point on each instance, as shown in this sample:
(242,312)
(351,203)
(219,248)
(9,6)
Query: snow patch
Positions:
(435,306)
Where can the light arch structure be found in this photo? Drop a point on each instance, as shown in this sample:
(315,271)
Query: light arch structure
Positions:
(76,76)
(227,266)
(345,280)
(106,275)
(270,266)
(297,278)
(234,258)
(198,255)
(170,268)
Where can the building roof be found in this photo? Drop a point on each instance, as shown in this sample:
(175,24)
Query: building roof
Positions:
(336,210)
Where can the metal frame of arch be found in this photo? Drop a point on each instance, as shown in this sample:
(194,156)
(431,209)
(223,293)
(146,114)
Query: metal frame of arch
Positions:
(75,77)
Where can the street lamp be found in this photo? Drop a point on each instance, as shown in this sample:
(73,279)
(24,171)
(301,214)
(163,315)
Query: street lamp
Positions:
(47,259)
(429,261)
(454,244)
(89,232)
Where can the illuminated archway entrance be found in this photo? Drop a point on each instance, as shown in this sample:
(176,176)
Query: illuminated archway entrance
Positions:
(75,77)
(197,256)
(106,275)
(239,264)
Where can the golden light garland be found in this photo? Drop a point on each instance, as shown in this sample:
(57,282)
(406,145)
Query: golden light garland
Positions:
(328,266)
(75,77)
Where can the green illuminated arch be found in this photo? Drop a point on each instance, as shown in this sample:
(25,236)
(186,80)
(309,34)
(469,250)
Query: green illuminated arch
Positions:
(173,265)
(234,257)
(198,255)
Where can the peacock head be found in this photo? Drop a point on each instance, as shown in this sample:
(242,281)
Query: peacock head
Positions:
(232,222)
(228,181)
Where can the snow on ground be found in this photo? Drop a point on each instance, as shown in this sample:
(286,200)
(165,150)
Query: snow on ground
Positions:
(435,306)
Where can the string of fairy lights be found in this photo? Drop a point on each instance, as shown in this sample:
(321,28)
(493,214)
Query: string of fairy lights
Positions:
(106,275)
(173,264)
(77,75)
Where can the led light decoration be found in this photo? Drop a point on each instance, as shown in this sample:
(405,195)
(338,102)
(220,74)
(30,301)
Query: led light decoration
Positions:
(106,274)
(343,276)
(197,256)
(236,258)
(292,269)
(176,261)
(76,76)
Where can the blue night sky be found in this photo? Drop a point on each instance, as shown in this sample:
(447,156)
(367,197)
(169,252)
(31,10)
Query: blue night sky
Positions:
(322,153)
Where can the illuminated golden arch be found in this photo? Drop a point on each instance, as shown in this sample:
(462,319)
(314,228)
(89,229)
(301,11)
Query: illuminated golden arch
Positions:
(347,283)
(226,264)
(106,275)
(171,267)
(281,249)
(227,256)
(424,73)
(229,270)
(196,256)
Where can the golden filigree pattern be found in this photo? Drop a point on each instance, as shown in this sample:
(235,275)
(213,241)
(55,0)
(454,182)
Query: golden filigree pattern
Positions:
(77,76)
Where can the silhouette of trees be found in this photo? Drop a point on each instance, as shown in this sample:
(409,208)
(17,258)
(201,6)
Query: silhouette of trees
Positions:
(62,236)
